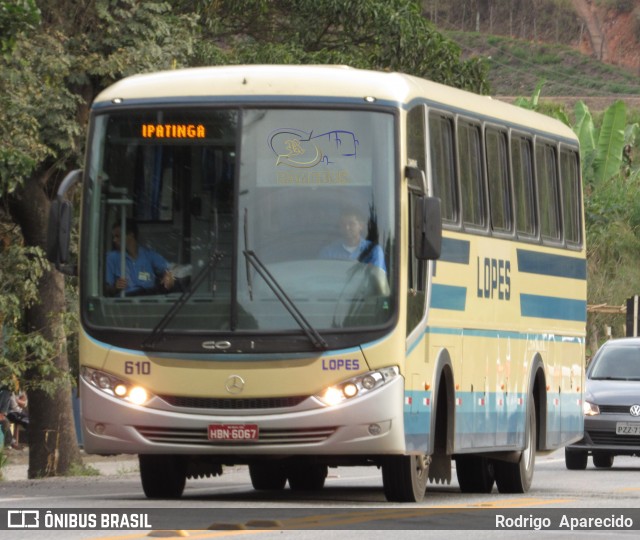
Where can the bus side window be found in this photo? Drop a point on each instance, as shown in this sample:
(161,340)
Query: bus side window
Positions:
(498,180)
(443,170)
(470,168)
(570,185)
(524,192)
(548,202)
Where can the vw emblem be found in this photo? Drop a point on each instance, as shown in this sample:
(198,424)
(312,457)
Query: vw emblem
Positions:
(635,410)
(234,384)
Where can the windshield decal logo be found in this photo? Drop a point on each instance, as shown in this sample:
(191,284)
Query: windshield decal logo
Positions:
(299,149)
(635,410)
(234,384)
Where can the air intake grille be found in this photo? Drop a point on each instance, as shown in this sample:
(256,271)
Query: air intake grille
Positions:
(615,409)
(233,403)
(611,439)
(181,436)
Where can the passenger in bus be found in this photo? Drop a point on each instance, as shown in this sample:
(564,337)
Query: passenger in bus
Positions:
(353,245)
(147,272)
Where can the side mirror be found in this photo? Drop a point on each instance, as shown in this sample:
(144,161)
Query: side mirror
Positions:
(60,224)
(427,228)
(59,232)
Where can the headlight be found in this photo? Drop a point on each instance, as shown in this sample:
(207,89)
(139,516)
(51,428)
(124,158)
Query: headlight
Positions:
(357,386)
(590,409)
(115,386)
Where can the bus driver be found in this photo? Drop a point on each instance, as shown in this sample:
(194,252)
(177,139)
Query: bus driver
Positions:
(353,245)
(147,272)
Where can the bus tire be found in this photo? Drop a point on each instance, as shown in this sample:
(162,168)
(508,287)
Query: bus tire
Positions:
(307,476)
(517,477)
(162,476)
(475,474)
(602,460)
(267,476)
(404,478)
(575,460)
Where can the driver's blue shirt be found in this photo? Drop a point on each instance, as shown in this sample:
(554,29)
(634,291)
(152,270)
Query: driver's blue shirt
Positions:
(141,272)
(372,253)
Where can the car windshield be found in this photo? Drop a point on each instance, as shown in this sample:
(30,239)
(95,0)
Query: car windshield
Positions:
(215,195)
(617,363)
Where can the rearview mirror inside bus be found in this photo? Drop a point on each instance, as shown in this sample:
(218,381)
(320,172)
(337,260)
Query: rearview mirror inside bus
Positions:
(427,228)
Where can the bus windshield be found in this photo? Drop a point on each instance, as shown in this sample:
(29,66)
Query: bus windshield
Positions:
(202,211)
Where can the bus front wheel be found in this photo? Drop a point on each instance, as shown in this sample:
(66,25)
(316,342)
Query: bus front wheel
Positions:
(517,477)
(163,476)
(404,478)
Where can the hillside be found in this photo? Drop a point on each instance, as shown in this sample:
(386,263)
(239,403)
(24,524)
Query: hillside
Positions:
(583,48)
(516,67)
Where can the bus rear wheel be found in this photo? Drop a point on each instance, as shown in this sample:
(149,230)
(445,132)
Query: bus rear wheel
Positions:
(404,478)
(163,476)
(475,474)
(517,477)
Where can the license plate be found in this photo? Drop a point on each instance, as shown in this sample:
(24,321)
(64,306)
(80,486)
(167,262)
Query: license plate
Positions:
(627,428)
(233,432)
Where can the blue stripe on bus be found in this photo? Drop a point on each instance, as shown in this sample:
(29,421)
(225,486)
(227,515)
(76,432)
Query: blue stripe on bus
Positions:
(448,297)
(546,264)
(455,251)
(491,419)
(493,334)
(553,307)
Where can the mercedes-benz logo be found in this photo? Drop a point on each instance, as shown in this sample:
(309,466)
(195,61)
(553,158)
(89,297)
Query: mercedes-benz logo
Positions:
(234,384)
(635,410)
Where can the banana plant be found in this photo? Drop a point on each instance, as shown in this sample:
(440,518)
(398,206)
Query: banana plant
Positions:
(603,149)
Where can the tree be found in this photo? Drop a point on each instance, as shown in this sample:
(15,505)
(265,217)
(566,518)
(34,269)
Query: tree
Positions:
(51,73)
(374,34)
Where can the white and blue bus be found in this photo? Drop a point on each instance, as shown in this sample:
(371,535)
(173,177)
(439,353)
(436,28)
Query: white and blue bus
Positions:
(327,267)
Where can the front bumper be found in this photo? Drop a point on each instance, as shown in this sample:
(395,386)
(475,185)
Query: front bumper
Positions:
(600,436)
(368,425)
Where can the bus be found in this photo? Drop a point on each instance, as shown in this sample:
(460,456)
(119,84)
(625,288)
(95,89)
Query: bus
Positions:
(365,268)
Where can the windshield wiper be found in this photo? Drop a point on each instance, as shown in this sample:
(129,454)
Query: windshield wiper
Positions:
(314,336)
(158,330)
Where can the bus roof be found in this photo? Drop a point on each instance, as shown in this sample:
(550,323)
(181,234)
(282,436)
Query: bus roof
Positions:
(265,82)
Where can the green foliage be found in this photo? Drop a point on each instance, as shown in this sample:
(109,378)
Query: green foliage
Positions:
(16,16)
(610,144)
(374,34)
(22,350)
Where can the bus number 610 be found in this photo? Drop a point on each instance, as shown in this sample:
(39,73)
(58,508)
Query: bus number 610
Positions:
(137,368)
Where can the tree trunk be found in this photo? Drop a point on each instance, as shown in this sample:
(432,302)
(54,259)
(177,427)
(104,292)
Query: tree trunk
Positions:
(588,13)
(53,448)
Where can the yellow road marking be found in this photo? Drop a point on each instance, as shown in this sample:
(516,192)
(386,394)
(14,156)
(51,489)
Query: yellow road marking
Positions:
(323,521)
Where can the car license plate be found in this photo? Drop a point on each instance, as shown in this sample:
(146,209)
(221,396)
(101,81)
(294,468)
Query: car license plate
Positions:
(627,428)
(233,432)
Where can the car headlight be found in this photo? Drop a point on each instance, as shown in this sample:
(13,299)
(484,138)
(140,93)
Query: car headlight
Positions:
(590,409)
(116,387)
(357,386)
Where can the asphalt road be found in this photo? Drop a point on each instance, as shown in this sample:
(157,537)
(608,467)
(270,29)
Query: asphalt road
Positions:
(352,503)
